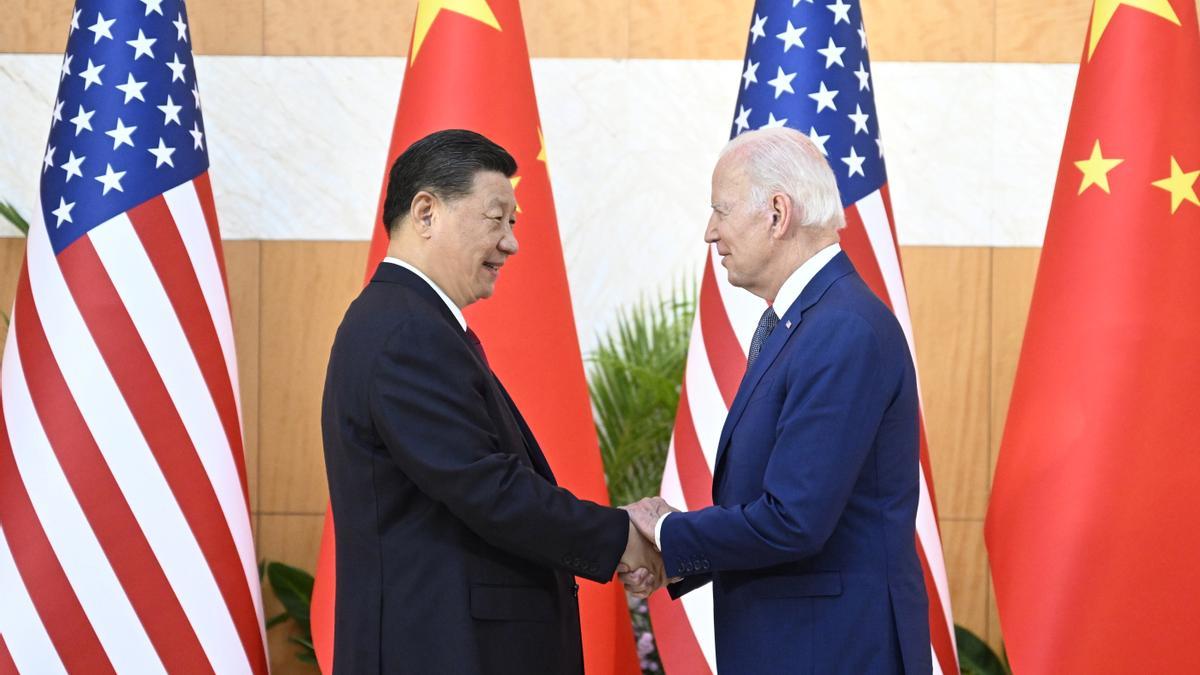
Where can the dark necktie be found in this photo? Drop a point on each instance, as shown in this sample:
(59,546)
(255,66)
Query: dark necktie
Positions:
(766,324)
(478,347)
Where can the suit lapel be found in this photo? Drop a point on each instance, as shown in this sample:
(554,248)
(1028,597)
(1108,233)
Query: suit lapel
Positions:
(529,452)
(531,447)
(528,449)
(789,323)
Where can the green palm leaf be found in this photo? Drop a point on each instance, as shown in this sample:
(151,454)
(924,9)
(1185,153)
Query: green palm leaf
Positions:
(635,378)
(9,212)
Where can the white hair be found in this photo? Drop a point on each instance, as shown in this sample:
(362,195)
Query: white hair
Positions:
(784,160)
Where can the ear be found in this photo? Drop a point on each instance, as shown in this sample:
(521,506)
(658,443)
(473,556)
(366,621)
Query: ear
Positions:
(421,213)
(781,209)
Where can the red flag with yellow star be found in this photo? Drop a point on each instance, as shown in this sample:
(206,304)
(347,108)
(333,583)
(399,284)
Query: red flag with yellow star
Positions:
(1093,511)
(468,68)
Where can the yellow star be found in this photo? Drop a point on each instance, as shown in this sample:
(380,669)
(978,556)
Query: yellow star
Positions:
(1103,10)
(1181,185)
(541,156)
(515,180)
(1095,169)
(428,10)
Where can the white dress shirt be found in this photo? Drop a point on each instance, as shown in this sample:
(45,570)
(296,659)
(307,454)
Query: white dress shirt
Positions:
(788,293)
(462,320)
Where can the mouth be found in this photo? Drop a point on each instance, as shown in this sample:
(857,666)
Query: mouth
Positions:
(494,268)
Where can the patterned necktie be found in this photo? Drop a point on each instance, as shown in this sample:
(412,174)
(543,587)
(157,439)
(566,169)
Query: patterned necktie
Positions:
(766,324)
(478,346)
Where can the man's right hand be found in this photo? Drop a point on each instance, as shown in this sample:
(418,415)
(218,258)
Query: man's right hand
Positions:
(641,568)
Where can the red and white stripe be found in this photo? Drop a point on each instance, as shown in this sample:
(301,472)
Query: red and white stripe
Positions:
(725,320)
(125,538)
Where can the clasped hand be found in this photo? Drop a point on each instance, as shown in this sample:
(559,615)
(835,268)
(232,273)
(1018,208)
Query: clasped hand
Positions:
(641,568)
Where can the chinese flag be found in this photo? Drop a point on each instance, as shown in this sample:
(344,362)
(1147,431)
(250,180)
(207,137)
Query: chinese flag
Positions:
(468,68)
(1092,521)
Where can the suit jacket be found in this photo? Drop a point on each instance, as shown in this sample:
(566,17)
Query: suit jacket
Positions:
(810,543)
(455,548)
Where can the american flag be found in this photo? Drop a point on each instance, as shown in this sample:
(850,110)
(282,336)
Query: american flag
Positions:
(806,68)
(125,539)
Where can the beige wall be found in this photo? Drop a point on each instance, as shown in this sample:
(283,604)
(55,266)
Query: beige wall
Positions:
(922,30)
(968,304)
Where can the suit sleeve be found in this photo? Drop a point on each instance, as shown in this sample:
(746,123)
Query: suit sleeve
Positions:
(428,405)
(835,401)
(688,584)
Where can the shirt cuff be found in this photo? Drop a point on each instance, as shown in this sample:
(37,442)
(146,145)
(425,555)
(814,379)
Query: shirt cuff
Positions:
(658,532)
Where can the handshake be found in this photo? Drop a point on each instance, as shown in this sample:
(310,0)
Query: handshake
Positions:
(641,568)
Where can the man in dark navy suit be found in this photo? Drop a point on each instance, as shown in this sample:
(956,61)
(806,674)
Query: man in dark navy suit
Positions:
(810,543)
(456,550)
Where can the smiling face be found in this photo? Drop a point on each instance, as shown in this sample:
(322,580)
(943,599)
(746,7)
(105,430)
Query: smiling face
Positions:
(740,227)
(470,238)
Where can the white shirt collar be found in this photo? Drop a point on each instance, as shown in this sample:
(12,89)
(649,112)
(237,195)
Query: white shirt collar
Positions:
(462,320)
(791,289)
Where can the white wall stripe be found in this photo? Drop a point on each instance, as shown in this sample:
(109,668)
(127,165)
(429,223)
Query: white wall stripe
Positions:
(705,401)
(24,635)
(62,519)
(128,266)
(990,187)
(193,229)
(129,458)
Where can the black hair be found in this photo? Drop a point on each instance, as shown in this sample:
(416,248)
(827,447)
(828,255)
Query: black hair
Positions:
(443,163)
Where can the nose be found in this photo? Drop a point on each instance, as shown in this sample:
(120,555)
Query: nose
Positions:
(508,243)
(711,235)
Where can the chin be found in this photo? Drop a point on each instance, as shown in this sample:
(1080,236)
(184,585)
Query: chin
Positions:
(735,278)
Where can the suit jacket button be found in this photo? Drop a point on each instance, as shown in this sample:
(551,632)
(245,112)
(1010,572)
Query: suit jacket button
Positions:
(575,591)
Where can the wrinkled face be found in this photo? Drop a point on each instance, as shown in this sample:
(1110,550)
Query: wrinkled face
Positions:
(740,228)
(473,237)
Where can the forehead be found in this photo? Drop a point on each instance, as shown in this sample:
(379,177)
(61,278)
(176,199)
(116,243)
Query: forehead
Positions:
(492,187)
(728,175)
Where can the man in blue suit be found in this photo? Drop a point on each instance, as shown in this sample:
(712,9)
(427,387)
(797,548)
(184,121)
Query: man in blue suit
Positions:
(810,543)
